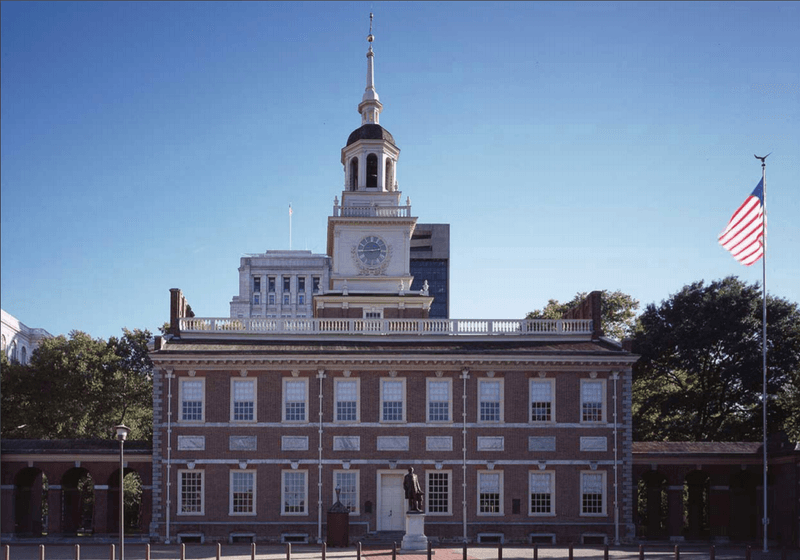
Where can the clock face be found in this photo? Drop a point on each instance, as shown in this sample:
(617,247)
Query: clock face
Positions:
(371,251)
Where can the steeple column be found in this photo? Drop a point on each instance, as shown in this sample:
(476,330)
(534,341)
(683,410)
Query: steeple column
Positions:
(362,170)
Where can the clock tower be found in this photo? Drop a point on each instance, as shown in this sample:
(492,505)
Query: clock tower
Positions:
(369,233)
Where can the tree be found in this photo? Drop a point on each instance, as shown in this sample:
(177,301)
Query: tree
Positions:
(617,310)
(699,377)
(80,387)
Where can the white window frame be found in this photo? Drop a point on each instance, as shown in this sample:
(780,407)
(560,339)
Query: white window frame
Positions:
(336,474)
(252,474)
(284,382)
(501,504)
(428,494)
(283,492)
(257,298)
(336,382)
(490,380)
(603,412)
(552,511)
(552,383)
(604,482)
(402,381)
(202,381)
(449,382)
(234,381)
(202,474)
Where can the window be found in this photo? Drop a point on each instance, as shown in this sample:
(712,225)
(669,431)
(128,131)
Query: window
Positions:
(490,400)
(301,283)
(347,482)
(294,488)
(593,489)
(592,398)
(190,492)
(542,400)
(23,359)
(439,397)
(438,492)
(490,493)
(286,300)
(243,397)
(542,491)
(192,395)
(393,395)
(373,314)
(271,299)
(295,397)
(301,298)
(243,493)
(256,298)
(315,284)
(353,174)
(346,395)
(287,283)
(256,283)
(372,171)
(271,283)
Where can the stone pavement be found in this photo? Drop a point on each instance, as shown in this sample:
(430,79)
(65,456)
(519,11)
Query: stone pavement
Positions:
(29,551)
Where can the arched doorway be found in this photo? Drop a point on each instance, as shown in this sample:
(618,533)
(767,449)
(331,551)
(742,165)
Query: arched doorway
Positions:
(30,502)
(696,505)
(77,502)
(653,505)
(132,487)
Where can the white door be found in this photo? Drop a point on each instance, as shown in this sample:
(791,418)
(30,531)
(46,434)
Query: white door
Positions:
(391,510)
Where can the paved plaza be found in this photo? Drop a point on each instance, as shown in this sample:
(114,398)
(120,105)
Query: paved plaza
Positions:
(30,551)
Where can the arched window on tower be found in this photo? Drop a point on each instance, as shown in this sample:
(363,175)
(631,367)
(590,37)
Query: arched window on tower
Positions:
(372,171)
(389,176)
(354,174)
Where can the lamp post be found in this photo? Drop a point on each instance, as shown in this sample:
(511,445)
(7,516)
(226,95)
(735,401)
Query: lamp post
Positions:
(122,434)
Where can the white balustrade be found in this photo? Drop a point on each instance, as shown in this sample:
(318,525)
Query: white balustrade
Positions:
(372,211)
(459,327)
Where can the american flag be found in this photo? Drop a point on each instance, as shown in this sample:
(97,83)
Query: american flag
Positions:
(744,235)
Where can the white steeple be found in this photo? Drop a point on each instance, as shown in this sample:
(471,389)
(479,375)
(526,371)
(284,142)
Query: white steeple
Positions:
(370,106)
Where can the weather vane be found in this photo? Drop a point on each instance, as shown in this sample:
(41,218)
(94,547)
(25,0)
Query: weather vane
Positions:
(370,38)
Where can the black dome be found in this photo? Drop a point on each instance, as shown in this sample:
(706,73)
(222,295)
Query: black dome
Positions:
(370,132)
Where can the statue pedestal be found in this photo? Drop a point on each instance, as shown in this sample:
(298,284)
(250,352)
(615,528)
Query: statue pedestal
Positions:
(415,538)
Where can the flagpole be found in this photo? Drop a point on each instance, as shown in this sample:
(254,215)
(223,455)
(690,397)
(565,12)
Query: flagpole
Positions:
(290,226)
(765,520)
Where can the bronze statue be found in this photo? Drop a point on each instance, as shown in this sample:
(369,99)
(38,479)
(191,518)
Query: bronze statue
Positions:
(413,491)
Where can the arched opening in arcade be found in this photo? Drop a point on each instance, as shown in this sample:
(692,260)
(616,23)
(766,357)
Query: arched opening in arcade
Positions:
(30,502)
(744,506)
(77,502)
(696,511)
(372,171)
(653,506)
(132,498)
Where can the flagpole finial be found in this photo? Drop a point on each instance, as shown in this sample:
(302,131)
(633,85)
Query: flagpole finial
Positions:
(763,158)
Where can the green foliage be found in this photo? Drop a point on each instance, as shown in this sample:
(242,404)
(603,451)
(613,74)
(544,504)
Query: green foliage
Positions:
(699,377)
(80,387)
(617,310)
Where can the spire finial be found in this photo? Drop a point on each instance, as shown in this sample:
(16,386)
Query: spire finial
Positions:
(370,106)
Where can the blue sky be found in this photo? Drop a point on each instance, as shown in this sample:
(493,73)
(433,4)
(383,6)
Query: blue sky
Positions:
(571,146)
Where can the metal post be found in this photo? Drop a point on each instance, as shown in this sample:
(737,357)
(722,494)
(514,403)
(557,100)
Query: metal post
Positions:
(111,552)
(147,551)
(713,554)
(605,553)
(463,551)
(430,551)
(499,551)
(641,552)
(535,552)
(121,500)
(288,551)
(183,551)
(41,552)
(748,551)
(253,551)
(77,552)
(219,551)
(7,552)
(324,551)
(358,550)
(677,552)
(394,551)
(571,557)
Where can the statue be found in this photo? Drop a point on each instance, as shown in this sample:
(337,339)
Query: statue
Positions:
(413,491)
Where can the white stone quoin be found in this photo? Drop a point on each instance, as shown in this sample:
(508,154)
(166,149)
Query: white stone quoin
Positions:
(415,538)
